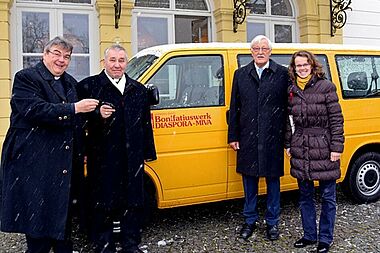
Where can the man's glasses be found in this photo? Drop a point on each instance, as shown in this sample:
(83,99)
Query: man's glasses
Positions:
(263,49)
(302,65)
(58,54)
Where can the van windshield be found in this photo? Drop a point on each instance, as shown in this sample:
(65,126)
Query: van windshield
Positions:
(138,65)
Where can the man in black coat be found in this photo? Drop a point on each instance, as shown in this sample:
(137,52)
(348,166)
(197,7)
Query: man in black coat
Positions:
(256,131)
(120,138)
(41,155)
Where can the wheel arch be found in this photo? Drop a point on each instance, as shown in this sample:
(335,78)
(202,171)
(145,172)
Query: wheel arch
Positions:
(152,183)
(370,147)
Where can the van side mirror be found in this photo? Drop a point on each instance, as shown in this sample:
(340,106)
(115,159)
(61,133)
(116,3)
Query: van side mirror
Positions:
(153,94)
(357,81)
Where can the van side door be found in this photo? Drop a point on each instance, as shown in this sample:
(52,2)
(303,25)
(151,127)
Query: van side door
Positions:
(190,128)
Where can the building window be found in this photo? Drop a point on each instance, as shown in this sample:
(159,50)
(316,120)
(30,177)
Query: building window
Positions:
(273,18)
(36,22)
(169,21)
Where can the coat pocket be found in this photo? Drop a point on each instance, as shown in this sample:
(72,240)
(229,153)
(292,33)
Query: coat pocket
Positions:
(319,147)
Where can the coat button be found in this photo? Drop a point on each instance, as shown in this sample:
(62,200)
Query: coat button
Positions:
(65,117)
(67,147)
(60,118)
(63,102)
(64,171)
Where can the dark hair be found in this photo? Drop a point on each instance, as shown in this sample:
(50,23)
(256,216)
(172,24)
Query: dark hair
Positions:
(59,41)
(316,66)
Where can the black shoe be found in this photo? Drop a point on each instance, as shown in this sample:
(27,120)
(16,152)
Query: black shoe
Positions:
(247,230)
(131,251)
(272,232)
(301,243)
(104,249)
(323,247)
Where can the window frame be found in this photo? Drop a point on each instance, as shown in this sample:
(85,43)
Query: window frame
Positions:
(271,20)
(169,13)
(55,11)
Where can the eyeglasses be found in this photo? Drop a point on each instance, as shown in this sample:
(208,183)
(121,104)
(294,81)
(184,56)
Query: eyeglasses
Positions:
(58,54)
(263,49)
(303,65)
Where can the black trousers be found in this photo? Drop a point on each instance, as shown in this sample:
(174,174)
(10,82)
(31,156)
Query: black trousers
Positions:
(43,245)
(108,228)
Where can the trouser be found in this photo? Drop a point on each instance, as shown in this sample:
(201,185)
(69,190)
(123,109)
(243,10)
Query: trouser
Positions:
(272,215)
(308,210)
(43,245)
(108,228)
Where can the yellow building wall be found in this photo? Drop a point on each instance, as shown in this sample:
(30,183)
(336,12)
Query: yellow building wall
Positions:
(314,22)
(5,71)
(107,31)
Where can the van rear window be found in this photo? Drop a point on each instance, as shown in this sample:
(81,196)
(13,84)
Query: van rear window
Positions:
(358,75)
(284,59)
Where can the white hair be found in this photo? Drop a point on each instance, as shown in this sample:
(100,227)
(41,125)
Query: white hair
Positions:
(116,47)
(259,38)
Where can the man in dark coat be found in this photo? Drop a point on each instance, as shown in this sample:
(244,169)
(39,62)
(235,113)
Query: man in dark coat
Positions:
(41,151)
(256,131)
(120,138)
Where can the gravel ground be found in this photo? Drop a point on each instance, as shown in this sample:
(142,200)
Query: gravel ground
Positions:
(214,228)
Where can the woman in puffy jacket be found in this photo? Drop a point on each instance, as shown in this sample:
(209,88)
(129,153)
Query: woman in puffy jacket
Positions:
(314,140)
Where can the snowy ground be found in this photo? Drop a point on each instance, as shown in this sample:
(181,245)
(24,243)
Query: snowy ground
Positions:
(214,227)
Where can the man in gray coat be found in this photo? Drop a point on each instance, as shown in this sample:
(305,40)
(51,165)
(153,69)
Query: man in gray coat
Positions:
(256,131)
(41,151)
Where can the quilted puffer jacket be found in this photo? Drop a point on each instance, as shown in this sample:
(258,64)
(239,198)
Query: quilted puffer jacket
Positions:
(315,129)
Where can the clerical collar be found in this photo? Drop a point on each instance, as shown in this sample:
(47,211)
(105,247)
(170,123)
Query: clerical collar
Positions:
(57,77)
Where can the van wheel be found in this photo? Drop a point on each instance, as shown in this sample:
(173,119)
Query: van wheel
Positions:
(363,179)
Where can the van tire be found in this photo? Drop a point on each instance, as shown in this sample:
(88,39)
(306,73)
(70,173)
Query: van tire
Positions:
(362,181)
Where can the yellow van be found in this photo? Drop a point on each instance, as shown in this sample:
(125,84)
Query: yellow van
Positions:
(195,164)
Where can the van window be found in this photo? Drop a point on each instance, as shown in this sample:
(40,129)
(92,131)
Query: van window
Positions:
(190,81)
(284,60)
(358,75)
(137,65)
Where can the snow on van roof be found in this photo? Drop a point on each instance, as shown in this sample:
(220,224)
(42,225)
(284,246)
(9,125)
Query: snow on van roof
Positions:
(162,49)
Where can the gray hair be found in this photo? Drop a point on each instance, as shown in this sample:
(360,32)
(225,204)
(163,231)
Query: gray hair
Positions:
(116,47)
(60,42)
(259,38)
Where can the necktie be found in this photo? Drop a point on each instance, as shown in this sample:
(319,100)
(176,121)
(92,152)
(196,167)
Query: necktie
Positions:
(260,71)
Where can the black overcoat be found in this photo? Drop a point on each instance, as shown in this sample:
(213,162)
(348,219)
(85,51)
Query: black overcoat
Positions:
(37,157)
(118,145)
(257,119)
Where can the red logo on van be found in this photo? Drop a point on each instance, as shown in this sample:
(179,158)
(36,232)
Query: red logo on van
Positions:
(173,120)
